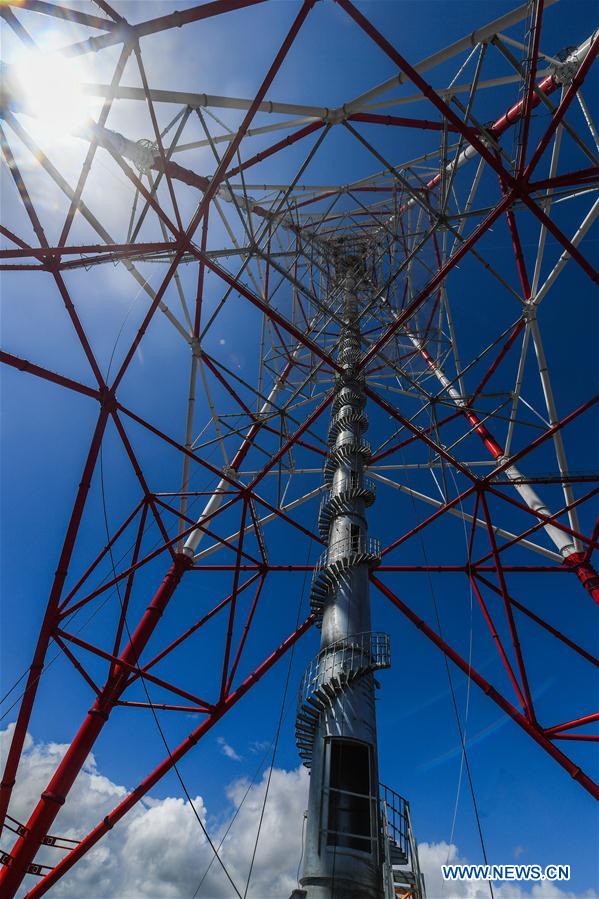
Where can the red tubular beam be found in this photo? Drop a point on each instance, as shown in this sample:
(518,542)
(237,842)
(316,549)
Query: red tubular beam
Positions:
(485,435)
(577,722)
(498,643)
(52,799)
(576,561)
(495,449)
(517,187)
(131,669)
(81,249)
(540,621)
(537,734)
(31,369)
(436,280)
(220,173)
(421,433)
(37,664)
(558,115)
(10,235)
(517,247)
(191,630)
(163,23)
(546,86)
(529,708)
(402,122)
(233,604)
(571,179)
(175,756)
(270,151)
(105,550)
(269,311)
(244,634)
(545,519)
(517,329)
(530,79)
(377,457)
(201,277)
(587,575)
(71,15)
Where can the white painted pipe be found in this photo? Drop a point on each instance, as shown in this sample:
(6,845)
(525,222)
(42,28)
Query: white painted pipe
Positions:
(561,540)
(215,501)
(459,46)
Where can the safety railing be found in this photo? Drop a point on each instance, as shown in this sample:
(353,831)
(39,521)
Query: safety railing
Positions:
(395,818)
(351,482)
(355,481)
(357,544)
(344,660)
(346,548)
(362,446)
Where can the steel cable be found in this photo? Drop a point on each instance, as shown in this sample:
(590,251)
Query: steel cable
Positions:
(278,730)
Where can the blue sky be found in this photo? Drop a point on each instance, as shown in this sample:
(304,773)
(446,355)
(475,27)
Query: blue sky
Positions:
(525,799)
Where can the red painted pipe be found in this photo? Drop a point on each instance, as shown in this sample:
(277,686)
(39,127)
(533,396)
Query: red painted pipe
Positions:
(27,846)
(37,664)
(538,735)
(585,572)
(176,755)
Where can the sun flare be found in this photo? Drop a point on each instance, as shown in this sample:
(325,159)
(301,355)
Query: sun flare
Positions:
(49,88)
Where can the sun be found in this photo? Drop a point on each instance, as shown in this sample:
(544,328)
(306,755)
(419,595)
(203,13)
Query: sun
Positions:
(49,87)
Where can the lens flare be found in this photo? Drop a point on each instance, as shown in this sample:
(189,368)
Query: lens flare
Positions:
(49,87)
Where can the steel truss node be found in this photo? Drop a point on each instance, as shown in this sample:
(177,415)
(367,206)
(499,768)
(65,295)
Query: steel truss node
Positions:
(471,428)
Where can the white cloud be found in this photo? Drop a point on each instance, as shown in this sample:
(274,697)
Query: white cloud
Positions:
(158,850)
(433,855)
(228,750)
(259,746)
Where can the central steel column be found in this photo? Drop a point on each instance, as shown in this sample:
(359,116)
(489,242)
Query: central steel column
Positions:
(336,722)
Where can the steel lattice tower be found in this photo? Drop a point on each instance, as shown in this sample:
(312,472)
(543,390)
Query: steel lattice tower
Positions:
(405,300)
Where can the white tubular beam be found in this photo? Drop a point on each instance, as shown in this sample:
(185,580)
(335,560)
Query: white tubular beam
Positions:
(564,542)
(465,516)
(470,40)
(213,504)
(191,398)
(574,61)
(250,527)
(546,206)
(587,115)
(561,540)
(517,387)
(560,450)
(197,101)
(194,538)
(251,132)
(575,240)
(521,46)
